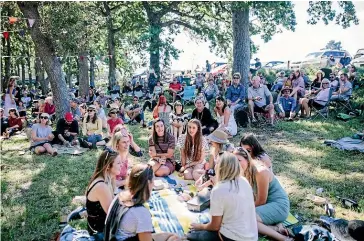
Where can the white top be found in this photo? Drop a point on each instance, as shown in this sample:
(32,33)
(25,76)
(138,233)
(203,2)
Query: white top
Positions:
(181,144)
(236,206)
(231,127)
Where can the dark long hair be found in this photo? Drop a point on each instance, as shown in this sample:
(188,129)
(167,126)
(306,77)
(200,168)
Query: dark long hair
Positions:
(93,119)
(250,140)
(197,144)
(221,98)
(154,133)
(174,107)
(15,111)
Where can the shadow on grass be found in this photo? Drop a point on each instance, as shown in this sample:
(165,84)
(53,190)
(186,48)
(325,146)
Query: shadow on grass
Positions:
(32,209)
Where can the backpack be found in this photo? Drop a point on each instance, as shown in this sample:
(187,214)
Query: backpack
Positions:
(241,116)
(113,221)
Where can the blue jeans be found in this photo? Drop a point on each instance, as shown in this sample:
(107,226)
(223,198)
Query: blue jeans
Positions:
(94,138)
(209,97)
(277,87)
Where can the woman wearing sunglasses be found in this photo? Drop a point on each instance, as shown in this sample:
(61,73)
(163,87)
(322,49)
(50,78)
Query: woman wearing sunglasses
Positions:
(250,143)
(113,120)
(100,190)
(136,223)
(92,129)
(271,201)
(42,136)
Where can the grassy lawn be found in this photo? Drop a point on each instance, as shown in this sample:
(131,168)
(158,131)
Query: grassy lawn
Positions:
(37,190)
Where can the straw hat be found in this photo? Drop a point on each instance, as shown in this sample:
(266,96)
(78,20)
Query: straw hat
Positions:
(322,72)
(286,88)
(218,136)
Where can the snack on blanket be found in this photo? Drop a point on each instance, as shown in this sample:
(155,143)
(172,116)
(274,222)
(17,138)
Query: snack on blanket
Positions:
(200,202)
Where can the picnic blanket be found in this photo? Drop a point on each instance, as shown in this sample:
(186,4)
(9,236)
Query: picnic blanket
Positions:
(73,150)
(347,143)
(171,215)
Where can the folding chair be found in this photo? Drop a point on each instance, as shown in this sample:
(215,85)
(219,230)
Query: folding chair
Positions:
(188,94)
(324,111)
(344,105)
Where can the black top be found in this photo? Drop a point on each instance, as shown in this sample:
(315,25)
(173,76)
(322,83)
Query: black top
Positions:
(316,84)
(96,215)
(62,126)
(205,117)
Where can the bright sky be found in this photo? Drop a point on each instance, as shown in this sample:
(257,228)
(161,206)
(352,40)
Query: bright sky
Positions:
(285,46)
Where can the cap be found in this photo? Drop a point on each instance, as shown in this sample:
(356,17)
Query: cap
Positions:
(68,117)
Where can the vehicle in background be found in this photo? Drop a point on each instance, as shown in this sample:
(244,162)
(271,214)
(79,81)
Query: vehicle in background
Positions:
(293,65)
(271,64)
(358,62)
(320,58)
(359,53)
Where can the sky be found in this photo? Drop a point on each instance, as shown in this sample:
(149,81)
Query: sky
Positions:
(284,46)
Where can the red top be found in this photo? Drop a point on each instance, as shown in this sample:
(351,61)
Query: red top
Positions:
(15,121)
(123,171)
(112,123)
(177,86)
(49,109)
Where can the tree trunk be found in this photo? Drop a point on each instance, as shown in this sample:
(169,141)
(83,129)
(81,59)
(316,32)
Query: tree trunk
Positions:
(154,48)
(92,71)
(43,44)
(83,73)
(241,44)
(36,66)
(22,71)
(78,71)
(39,72)
(30,75)
(110,45)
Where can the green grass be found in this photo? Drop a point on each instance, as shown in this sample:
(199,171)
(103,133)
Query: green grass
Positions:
(37,190)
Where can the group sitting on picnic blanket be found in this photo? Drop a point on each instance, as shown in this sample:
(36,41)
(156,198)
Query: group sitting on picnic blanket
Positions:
(237,178)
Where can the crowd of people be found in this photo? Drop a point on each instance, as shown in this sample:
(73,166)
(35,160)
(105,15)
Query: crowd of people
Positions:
(244,175)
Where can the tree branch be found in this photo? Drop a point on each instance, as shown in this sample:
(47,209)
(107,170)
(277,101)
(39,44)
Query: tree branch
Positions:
(178,22)
(170,7)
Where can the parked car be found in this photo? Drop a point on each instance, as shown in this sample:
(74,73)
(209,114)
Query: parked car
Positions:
(293,65)
(271,64)
(359,53)
(358,62)
(319,59)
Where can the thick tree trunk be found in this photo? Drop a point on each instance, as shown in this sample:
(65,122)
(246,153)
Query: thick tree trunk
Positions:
(241,44)
(92,71)
(43,44)
(110,45)
(83,73)
(154,48)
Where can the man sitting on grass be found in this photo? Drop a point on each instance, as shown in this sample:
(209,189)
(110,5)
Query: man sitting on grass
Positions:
(257,96)
(135,113)
(287,104)
(175,88)
(67,130)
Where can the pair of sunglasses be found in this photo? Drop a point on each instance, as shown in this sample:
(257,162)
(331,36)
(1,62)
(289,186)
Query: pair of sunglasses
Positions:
(90,110)
(44,117)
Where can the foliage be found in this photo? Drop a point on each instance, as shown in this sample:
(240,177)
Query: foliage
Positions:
(334,45)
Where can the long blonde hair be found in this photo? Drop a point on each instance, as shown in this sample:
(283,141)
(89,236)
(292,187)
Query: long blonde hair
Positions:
(228,169)
(250,172)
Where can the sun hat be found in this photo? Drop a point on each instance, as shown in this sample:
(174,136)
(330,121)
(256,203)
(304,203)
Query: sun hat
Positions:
(322,72)
(237,74)
(218,136)
(325,80)
(286,88)
(68,117)
(91,107)
(348,230)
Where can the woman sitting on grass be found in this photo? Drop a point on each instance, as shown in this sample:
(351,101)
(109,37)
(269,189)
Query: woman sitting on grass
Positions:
(162,110)
(100,190)
(92,129)
(250,143)
(225,117)
(113,120)
(101,113)
(271,201)
(14,123)
(42,136)
(193,146)
(178,120)
(120,142)
(161,149)
(136,223)
(231,206)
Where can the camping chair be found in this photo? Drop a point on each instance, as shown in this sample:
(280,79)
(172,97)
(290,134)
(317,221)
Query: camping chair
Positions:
(324,111)
(188,94)
(344,105)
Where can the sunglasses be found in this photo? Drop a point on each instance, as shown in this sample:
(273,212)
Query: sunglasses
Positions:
(112,112)
(110,152)
(235,77)
(325,83)
(44,117)
(90,110)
